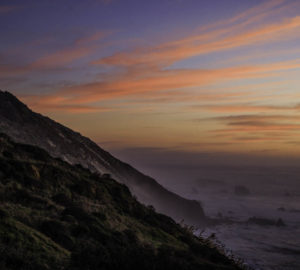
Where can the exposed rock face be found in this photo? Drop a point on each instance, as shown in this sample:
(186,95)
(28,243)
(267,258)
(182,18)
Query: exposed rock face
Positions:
(26,126)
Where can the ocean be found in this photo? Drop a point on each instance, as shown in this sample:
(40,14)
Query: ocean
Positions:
(274,193)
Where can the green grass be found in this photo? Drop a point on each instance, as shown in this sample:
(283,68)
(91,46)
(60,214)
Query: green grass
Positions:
(23,247)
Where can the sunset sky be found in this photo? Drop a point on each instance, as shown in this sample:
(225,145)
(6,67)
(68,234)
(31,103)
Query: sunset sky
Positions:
(189,76)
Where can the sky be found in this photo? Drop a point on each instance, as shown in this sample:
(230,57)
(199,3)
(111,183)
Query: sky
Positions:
(161,78)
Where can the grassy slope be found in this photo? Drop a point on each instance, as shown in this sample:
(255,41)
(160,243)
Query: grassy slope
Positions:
(57,216)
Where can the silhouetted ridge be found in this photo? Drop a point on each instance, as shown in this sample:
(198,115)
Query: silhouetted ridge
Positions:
(12,108)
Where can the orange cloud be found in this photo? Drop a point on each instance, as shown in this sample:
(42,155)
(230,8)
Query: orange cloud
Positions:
(259,123)
(217,40)
(76,109)
(181,96)
(262,10)
(59,59)
(92,38)
(55,104)
(254,118)
(125,85)
(252,127)
(240,108)
(145,69)
(168,80)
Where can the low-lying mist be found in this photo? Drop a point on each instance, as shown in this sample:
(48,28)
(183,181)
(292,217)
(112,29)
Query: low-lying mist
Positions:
(257,201)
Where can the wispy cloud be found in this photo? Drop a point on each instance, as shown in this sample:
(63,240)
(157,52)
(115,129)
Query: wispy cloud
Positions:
(242,108)
(8,8)
(255,117)
(147,69)
(256,125)
(59,59)
(129,84)
(216,40)
(53,104)
(144,72)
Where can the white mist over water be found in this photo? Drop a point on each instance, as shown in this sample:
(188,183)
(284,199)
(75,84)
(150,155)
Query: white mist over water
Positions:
(262,247)
(273,194)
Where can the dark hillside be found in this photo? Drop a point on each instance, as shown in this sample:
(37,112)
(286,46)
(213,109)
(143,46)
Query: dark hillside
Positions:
(26,126)
(57,216)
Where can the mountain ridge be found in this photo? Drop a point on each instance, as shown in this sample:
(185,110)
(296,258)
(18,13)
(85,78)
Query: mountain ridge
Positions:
(25,126)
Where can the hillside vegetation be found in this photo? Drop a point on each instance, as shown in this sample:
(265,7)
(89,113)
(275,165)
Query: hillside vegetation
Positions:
(25,126)
(57,216)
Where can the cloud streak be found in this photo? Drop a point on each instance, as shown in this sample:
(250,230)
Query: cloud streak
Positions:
(236,98)
(240,108)
(147,70)
(218,40)
(58,60)
(163,80)
(8,8)
(257,128)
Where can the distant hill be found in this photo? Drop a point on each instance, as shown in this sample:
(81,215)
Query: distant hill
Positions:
(26,126)
(57,216)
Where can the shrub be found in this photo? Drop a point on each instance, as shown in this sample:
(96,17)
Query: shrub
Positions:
(3,214)
(62,199)
(79,213)
(8,154)
(57,232)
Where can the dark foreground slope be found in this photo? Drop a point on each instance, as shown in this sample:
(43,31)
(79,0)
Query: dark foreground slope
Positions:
(25,126)
(57,216)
